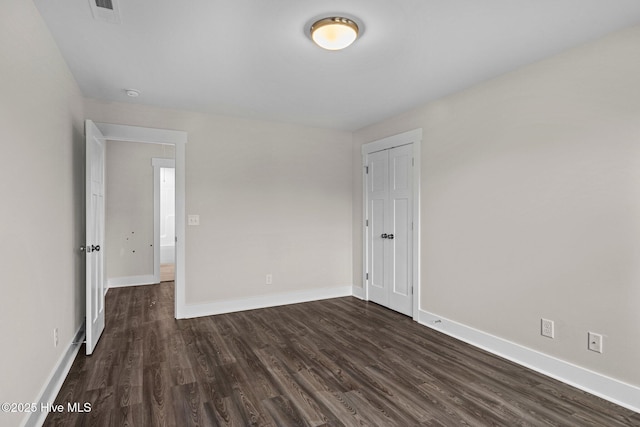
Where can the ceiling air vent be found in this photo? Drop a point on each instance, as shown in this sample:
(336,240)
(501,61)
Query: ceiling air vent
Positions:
(105,4)
(105,10)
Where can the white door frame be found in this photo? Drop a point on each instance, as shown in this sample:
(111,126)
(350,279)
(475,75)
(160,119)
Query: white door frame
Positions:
(413,137)
(158,163)
(178,139)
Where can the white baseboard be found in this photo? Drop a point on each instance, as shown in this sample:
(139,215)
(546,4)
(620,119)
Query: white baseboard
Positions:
(144,279)
(54,383)
(610,389)
(263,301)
(358,292)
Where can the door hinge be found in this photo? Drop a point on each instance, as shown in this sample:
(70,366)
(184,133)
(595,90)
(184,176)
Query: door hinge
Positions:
(367,276)
(412,290)
(366,223)
(366,169)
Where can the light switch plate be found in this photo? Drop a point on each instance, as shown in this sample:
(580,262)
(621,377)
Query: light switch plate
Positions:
(193,219)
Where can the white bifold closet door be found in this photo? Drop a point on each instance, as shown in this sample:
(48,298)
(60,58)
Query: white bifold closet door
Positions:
(389,230)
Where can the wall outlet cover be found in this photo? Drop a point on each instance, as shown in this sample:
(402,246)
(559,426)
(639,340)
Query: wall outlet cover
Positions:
(547,328)
(595,342)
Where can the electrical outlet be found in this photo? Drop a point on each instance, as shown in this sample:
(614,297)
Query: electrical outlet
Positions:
(55,337)
(595,342)
(547,328)
(269,279)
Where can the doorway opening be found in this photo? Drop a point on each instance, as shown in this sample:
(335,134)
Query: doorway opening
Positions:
(173,145)
(164,219)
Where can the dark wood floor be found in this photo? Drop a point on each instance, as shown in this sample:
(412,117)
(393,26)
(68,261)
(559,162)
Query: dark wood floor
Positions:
(334,362)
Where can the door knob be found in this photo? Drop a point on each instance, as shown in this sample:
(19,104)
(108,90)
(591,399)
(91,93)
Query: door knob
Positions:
(90,248)
(390,236)
(384,235)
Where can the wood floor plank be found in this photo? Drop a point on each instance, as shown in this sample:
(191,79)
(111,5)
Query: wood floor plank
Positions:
(295,390)
(284,413)
(337,362)
(344,410)
(187,406)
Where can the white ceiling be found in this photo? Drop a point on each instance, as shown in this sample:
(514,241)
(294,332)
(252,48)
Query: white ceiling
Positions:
(254,58)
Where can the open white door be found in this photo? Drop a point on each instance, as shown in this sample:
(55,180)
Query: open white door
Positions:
(95,211)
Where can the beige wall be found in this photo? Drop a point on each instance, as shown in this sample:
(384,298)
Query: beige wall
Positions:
(41,132)
(129,207)
(272,198)
(530,198)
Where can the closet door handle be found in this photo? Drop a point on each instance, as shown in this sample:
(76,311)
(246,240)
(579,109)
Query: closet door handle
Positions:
(384,235)
(390,236)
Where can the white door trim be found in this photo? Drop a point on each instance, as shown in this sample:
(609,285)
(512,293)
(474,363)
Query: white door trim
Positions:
(413,137)
(158,163)
(179,140)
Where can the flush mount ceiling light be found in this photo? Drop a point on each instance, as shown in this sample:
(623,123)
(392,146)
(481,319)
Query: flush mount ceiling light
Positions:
(334,33)
(133,93)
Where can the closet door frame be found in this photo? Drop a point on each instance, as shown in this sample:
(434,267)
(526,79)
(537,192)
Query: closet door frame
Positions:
(413,137)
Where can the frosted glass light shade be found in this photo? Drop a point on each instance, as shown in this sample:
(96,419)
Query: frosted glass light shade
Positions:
(334,33)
